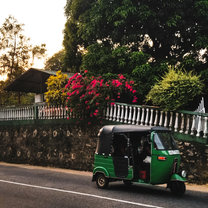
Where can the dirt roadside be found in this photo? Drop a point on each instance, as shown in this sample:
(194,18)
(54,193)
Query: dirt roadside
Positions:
(190,187)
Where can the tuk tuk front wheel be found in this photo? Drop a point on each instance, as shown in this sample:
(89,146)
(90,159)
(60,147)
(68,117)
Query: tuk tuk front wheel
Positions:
(101,181)
(177,188)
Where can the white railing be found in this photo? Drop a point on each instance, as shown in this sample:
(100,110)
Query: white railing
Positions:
(52,112)
(185,122)
(33,112)
(17,113)
(181,121)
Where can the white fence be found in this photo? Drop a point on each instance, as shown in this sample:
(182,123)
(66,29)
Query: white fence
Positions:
(186,122)
(33,112)
(17,113)
(182,121)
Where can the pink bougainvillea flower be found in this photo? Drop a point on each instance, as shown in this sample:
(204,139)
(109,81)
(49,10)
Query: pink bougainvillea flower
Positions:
(79,76)
(89,123)
(121,76)
(131,82)
(73,76)
(118,97)
(134,99)
(86,101)
(67,118)
(118,84)
(101,83)
(134,91)
(85,71)
(97,104)
(81,96)
(112,103)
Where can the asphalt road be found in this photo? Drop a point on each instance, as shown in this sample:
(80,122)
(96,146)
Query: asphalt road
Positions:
(34,187)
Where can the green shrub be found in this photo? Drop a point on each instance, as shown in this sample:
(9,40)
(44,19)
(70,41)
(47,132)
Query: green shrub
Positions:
(176,89)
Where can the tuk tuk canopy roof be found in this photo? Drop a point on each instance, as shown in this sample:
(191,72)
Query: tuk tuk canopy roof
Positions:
(130,128)
(106,134)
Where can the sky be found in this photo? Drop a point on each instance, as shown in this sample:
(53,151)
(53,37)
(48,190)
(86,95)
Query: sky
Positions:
(43,21)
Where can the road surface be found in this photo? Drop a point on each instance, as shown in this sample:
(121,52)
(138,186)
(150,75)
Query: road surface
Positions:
(35,187)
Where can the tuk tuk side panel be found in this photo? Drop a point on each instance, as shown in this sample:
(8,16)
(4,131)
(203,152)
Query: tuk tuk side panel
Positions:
(161,169)
(106,162)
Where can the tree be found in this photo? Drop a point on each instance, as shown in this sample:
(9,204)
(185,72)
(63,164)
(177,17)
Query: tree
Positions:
(14,48)
(167,31)
(16,54)
(56,62)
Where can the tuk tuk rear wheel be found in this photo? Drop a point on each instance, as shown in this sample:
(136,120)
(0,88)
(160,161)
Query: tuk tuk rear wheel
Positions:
(101,181)
(177,188)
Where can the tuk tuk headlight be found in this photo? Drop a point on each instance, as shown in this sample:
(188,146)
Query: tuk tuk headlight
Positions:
(183,173)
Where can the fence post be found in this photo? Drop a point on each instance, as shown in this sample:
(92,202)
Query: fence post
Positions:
(35,111)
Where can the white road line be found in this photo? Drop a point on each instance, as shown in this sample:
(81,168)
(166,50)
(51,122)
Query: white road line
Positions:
(80,193)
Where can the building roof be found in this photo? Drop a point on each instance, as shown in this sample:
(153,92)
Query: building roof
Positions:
(33,80)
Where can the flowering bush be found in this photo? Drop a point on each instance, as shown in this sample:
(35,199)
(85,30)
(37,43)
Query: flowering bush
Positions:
(89,96)
(55,86)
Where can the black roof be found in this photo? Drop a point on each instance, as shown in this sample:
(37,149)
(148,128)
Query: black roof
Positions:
(130,128)
(33,80)
(106,134)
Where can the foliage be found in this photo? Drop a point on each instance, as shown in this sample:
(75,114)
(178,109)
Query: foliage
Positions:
(165,30)
(16,55)
(175,90)
(15,50)
(55,94)
(89,95)
(136,65)
(56,62)
(139,38)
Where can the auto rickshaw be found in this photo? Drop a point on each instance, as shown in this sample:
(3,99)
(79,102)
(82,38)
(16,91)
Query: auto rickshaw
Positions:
(140,154)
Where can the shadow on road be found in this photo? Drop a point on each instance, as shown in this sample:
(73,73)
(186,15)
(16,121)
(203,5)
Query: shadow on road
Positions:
(159,193)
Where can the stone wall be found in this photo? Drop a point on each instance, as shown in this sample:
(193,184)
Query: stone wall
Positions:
(58,145)
(68,145)
(194,158)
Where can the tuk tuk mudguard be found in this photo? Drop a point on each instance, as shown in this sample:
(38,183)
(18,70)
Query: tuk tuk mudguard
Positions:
(176,177)
(99,169)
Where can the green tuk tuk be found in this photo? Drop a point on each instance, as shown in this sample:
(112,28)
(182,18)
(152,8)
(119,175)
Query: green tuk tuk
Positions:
(141,154)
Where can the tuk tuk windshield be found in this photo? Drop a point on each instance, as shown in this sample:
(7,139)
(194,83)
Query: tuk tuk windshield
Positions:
(165,141)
